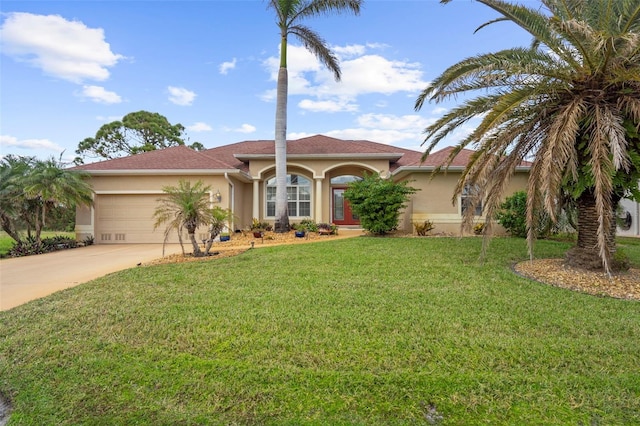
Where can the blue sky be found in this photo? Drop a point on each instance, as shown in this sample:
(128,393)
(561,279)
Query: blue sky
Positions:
(68,67)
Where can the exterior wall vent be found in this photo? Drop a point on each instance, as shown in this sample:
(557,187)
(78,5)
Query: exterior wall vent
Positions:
(105,237)
(120,237)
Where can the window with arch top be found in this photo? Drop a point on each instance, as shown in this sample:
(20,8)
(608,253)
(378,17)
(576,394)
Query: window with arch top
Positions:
(298,196)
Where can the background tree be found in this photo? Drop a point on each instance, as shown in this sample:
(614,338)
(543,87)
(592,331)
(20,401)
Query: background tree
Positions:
(185,207)
(289,15)
(138,132)
(571,101)
(378,201)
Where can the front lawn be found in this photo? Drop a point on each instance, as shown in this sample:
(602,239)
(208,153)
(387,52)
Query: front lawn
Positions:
(367,331)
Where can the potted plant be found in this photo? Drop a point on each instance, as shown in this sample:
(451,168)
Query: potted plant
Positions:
(225,236)
(258,228)
(300,230)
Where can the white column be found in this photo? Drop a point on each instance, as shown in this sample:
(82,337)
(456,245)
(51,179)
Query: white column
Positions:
(318,215)
(256,199)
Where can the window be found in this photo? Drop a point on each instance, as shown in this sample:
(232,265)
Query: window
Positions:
(344,179)
(470,194)
(298,196)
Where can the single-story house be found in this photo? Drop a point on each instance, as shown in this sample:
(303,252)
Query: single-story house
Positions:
(242,179)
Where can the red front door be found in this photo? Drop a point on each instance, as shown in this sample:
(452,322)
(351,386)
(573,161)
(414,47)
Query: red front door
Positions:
(341,210)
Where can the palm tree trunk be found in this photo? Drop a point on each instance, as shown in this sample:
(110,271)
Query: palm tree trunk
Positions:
(194,243)
(39,225)
(282,215)
(9,226)
(191,232)
(586,253)
(214,231)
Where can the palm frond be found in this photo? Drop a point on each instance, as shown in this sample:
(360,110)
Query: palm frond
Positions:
(602,169)
(325,7)
(316,45)
(535,23)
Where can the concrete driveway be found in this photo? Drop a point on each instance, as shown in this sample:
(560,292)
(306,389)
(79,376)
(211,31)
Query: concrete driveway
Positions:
(28,278)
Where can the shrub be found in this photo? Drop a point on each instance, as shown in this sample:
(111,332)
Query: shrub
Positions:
(256,225)
(30,245)
(378,201)
(308,225)
(513,217)
(513,214)
(422,229)
(58,242)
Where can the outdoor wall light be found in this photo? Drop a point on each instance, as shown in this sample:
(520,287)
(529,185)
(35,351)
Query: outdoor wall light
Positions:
(217,197)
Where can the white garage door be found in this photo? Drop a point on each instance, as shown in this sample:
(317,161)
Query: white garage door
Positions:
(128,219)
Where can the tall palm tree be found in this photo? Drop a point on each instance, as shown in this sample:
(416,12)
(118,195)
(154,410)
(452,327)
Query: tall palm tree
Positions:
(185,207)
(290,14)
(570,102)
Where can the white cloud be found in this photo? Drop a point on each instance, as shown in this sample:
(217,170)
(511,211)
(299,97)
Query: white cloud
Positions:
(361,75)
(61,48)
(181,96)
(110,118)
(339,105)
(100,95)
(245,128)
(226,66)
(355,49)
(199,127)
(29,144)
(350,50)
(405,131)
(439,110)
(375,74)
(268,95)
(413,122)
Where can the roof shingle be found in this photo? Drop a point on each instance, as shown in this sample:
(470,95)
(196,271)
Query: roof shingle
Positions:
(224,157)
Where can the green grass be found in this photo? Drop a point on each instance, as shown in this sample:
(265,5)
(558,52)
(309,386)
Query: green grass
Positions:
(363,331)
(6,243)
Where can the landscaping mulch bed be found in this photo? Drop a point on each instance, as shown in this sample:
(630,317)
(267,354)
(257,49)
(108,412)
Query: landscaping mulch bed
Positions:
(241,242)
(554,272)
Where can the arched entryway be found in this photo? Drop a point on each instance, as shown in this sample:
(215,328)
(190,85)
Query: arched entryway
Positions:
(341,213)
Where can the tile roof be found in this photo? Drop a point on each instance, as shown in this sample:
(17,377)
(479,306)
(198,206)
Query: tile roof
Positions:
(173,158)
(225,157)
(461,160)
(437,158)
